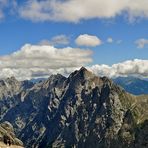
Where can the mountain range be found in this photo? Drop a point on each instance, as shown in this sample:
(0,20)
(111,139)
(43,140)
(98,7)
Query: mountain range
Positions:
(81,111)
(133,85)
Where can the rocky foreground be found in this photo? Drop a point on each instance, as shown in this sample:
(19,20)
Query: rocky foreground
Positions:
(3,145)
(83,111)
(7,136)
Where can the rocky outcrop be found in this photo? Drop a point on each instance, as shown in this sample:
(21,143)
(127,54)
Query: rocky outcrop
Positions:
(141,136)
(82,110)
(7,134)
(10,90)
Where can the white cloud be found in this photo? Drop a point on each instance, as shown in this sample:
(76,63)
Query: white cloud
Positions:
(88,40)
(109,40)
(141,43)
(42,60)
(76,10)
(56,40)
(60,39)
(35,61)
(131,67)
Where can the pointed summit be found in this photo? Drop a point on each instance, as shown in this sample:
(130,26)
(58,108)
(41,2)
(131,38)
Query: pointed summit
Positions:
(81,74)
(56,76)
(12,80)
(83,69)
(85,73)
(54,80)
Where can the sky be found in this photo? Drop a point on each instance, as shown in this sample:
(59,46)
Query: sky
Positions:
(43,37)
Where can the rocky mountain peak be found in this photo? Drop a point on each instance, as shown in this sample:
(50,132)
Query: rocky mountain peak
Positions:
(82,73)
(83,69)
(54,80)
(11,86)
(56,77)
(12,79)
(85,72)
(83,110)
(79,77)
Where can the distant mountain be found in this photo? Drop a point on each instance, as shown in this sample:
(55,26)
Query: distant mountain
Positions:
(81,111)
(133,85)
(10,89)
(37,80)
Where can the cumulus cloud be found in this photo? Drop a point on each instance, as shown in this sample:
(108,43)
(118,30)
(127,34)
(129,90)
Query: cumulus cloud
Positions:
(56,40)
(88,40)
(134,67)
(42,60)
(36,61)
(76,10)
(141,43)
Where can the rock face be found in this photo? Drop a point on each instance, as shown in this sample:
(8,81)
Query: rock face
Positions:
(7,134)
(83,111)
(10,89)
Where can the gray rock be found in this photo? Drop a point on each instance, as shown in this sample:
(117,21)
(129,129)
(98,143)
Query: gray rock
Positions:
(82,110)
(7,134)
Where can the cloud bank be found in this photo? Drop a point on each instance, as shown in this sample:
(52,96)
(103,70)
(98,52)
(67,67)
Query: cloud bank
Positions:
(88,40)
(42,60)
(134,67)
(76,10)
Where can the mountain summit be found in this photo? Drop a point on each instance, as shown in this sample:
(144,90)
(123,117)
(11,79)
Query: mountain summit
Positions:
(82,110)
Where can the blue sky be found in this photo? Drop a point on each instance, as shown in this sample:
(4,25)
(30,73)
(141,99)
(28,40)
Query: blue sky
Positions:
(15,32)
(18,28)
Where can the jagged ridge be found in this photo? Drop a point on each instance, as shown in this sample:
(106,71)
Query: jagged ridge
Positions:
(82,110)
